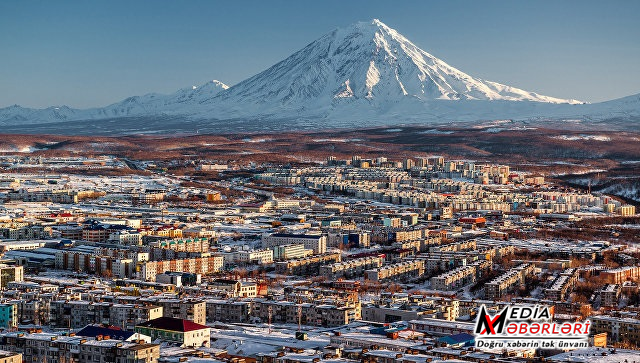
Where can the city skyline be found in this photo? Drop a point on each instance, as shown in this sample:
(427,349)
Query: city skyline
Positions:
(89,55)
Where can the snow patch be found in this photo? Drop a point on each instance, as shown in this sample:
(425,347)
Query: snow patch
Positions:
(346,92)
(582,137)
(435,132)
(373,77)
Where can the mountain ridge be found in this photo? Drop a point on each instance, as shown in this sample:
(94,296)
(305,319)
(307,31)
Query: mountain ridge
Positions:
(365,72)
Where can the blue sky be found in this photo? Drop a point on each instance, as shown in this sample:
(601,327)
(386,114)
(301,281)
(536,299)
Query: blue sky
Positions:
(92,53)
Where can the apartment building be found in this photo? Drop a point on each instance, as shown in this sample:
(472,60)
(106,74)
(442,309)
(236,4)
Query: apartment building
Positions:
(308,265)
(401,271)
(228,311)
(23,231)
(454,279)
(9,315)
(626,210)
(234,288)
(77,314)
(55,196)
(165,231)
(351,268)
(33,310)
(126,238)
(127,316)
(135,254)
(288,252)
(287,312)
(317,243)
(618,329)
(186,309)
(109,351)
(91,262)
(610,295)
(96,233)
(183,245)
(147,197)
(562,285)
(355,239)
(470,245)
(9,273)
(198,265)
(261,257)
(53,348)
(512,279)
(620,275)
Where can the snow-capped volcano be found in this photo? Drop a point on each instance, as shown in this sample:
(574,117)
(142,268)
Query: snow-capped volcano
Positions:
(367,61)
(365,74)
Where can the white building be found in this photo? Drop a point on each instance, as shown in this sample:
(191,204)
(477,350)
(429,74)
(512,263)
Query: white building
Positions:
(261,257)
(126,238)
(317,243)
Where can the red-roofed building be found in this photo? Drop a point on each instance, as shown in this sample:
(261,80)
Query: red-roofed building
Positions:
(479,221)
(186,333)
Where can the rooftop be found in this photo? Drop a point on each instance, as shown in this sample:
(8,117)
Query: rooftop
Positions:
(173,324)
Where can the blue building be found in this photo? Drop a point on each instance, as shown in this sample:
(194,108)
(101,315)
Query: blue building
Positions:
(8,315)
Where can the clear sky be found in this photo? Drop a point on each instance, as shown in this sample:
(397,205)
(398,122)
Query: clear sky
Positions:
(93,53)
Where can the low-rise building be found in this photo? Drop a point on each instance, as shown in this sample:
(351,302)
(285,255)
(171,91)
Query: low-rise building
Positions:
(184,333)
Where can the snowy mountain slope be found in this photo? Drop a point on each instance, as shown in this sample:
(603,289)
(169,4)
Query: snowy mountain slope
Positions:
(20,115)
(366,74)
(152,104)
(178,103)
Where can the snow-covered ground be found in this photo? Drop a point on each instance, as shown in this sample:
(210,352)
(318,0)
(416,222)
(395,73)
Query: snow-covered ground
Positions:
(250,341)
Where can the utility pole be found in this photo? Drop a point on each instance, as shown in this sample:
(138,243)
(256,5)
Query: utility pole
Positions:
(299,318)
(270,310)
